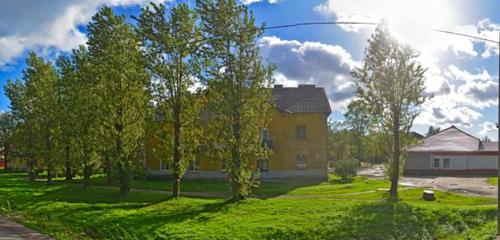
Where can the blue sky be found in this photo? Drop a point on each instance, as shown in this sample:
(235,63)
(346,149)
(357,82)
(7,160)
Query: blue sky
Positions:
(462,73)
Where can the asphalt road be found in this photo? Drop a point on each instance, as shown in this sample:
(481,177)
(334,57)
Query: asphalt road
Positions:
(12,231)
(465,185)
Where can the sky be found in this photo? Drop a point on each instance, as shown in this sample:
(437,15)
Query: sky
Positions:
(462,73)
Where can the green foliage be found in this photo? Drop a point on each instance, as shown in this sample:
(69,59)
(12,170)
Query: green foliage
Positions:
(36,107)
(122,91)
(171,43)
(390,85)
(432,130)
(358,120)
(238,84)
(346,168)
(7,129)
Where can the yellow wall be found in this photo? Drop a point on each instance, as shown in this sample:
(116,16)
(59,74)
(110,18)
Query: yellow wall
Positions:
(282,130)
(287,147)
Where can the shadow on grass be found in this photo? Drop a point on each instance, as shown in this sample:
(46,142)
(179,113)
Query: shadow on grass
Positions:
(147,224)
(391,220)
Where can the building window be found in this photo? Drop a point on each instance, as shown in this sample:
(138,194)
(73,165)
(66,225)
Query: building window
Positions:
(264,134)
(263,165)
(223,165)
(300,130)
(436,163)
(193,166)
(163,165)
(300,162)
(446,163)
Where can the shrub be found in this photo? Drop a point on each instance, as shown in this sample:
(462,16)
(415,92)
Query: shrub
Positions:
(346,168)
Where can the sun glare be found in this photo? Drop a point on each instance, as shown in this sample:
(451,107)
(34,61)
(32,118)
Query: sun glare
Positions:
(412,21)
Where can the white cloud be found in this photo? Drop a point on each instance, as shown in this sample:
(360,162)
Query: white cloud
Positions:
(413,22)
(327,66)
(34,24)
(488,128)
(248,2)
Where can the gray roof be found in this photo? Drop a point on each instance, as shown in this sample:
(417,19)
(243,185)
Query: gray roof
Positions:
(490,146)
(452,139)
(301,99)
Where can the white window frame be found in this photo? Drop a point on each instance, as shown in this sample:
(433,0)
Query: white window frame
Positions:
(264,134)
(263,165)
(299,134)
(300,162)
(449,163)
(222,166)
(193,166)
(438,161)
(163,165)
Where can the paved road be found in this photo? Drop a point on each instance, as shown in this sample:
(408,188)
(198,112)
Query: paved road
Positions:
(13,231)
(466,185)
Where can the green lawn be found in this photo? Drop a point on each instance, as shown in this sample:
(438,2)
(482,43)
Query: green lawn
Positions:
(329,210)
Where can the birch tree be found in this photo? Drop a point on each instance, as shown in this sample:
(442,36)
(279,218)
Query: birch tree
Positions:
(390,84)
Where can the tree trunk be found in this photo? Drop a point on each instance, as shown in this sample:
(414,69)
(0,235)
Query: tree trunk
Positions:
(5,157)
(236,182)
(108,169)
(395,160)
(177,154)
(176,187)
(69,169)
(31,169)
(235,189)
(86,176)
(124,181)
(49,175)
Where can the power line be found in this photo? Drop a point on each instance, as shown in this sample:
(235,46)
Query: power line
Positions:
(319,23)
(372,24)
(465,35)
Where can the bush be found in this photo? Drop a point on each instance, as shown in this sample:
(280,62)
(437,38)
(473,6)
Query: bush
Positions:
(346,168)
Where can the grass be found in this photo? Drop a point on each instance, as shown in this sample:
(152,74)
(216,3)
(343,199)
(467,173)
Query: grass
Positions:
(493,181)
(328,210)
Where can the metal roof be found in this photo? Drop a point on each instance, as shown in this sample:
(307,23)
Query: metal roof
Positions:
(301,99)
(452,139)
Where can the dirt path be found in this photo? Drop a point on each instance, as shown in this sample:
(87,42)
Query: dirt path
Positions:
(12,231)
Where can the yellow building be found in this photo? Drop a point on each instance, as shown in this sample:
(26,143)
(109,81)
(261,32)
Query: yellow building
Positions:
(297,134)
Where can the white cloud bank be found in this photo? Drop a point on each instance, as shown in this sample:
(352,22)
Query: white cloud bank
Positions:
(248,2)
(459,95)
(328,66)
(37,24)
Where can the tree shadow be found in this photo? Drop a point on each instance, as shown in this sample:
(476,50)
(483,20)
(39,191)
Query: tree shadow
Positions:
(391,220)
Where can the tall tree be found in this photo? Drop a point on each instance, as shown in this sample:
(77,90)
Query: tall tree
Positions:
(358,120)
(432,130)
(22,112)
(122,91)
(65,95)
(171,43)
(79,92)
(390,84)
(7,128)
(239,88)
(41,92)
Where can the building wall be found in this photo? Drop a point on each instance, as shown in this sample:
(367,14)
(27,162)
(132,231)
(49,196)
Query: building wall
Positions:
(285,146)
(476,164)
(282,128)
(469,161)
(416,160)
